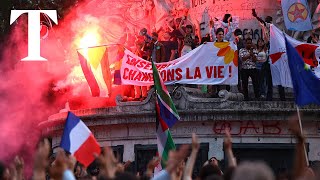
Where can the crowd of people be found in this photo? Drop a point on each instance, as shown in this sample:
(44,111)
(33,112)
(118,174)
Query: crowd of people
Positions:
(180,36)
(180,165)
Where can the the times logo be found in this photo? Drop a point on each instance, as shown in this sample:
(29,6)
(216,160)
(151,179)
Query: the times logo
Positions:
(33,30)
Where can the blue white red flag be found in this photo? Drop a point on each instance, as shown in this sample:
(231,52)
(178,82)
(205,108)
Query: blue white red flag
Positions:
(79,141)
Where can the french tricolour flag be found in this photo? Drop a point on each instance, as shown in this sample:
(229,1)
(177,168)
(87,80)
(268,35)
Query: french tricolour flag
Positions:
(79,141)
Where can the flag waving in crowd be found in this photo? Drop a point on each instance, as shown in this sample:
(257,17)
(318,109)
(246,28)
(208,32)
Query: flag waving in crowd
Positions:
(305,84)
(296,15)
(79,141)
(166,117)
(279,60)
(165,104)
(94,62)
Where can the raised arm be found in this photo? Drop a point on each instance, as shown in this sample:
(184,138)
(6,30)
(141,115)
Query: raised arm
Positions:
(180,28)
(41,161)
(197,29)
(229,34)
(212,31)
(301,161)
(260,20)
(187,175)
(175,158)
(107,163)
(151,165)
(265,33)
(16,168)
(254,14)
(228,149)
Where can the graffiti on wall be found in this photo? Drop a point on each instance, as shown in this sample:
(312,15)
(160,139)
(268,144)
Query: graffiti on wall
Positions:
(248,127)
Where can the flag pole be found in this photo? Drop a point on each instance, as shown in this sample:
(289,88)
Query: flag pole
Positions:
(115,44)
(304,147)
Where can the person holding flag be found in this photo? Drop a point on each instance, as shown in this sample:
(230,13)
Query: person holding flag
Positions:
(166,117)
(306,85)
(78,140)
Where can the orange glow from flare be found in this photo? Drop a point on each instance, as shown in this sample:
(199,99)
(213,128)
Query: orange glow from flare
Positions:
(89,39)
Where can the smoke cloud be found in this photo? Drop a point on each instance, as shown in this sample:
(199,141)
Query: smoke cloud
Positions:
(32,91)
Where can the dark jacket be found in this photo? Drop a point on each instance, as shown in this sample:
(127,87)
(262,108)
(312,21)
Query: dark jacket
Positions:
(160,52)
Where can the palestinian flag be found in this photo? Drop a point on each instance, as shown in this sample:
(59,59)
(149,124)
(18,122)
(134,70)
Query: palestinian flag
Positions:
(166,117)
(94,62)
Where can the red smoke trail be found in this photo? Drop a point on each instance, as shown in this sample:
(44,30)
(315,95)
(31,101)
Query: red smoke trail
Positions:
(31,91)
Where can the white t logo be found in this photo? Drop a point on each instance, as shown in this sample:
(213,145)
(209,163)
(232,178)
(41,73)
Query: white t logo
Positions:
(33,30)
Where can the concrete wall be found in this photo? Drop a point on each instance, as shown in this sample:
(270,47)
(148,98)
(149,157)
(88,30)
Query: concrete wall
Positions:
(211,132)
(258,122)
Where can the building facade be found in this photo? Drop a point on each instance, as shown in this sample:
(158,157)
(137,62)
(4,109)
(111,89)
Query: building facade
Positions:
(259,128)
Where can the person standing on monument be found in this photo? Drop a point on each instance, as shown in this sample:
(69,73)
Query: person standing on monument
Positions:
(188,39)
(171,47)
(265,25)
(218,36)
(249,69)
(140,92)
(158,53)
(261,66)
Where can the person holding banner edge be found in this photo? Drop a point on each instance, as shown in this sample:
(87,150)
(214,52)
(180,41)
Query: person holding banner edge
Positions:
(218,36)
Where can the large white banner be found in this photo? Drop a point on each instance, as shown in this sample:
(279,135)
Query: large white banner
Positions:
(279,60)
(211,63)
